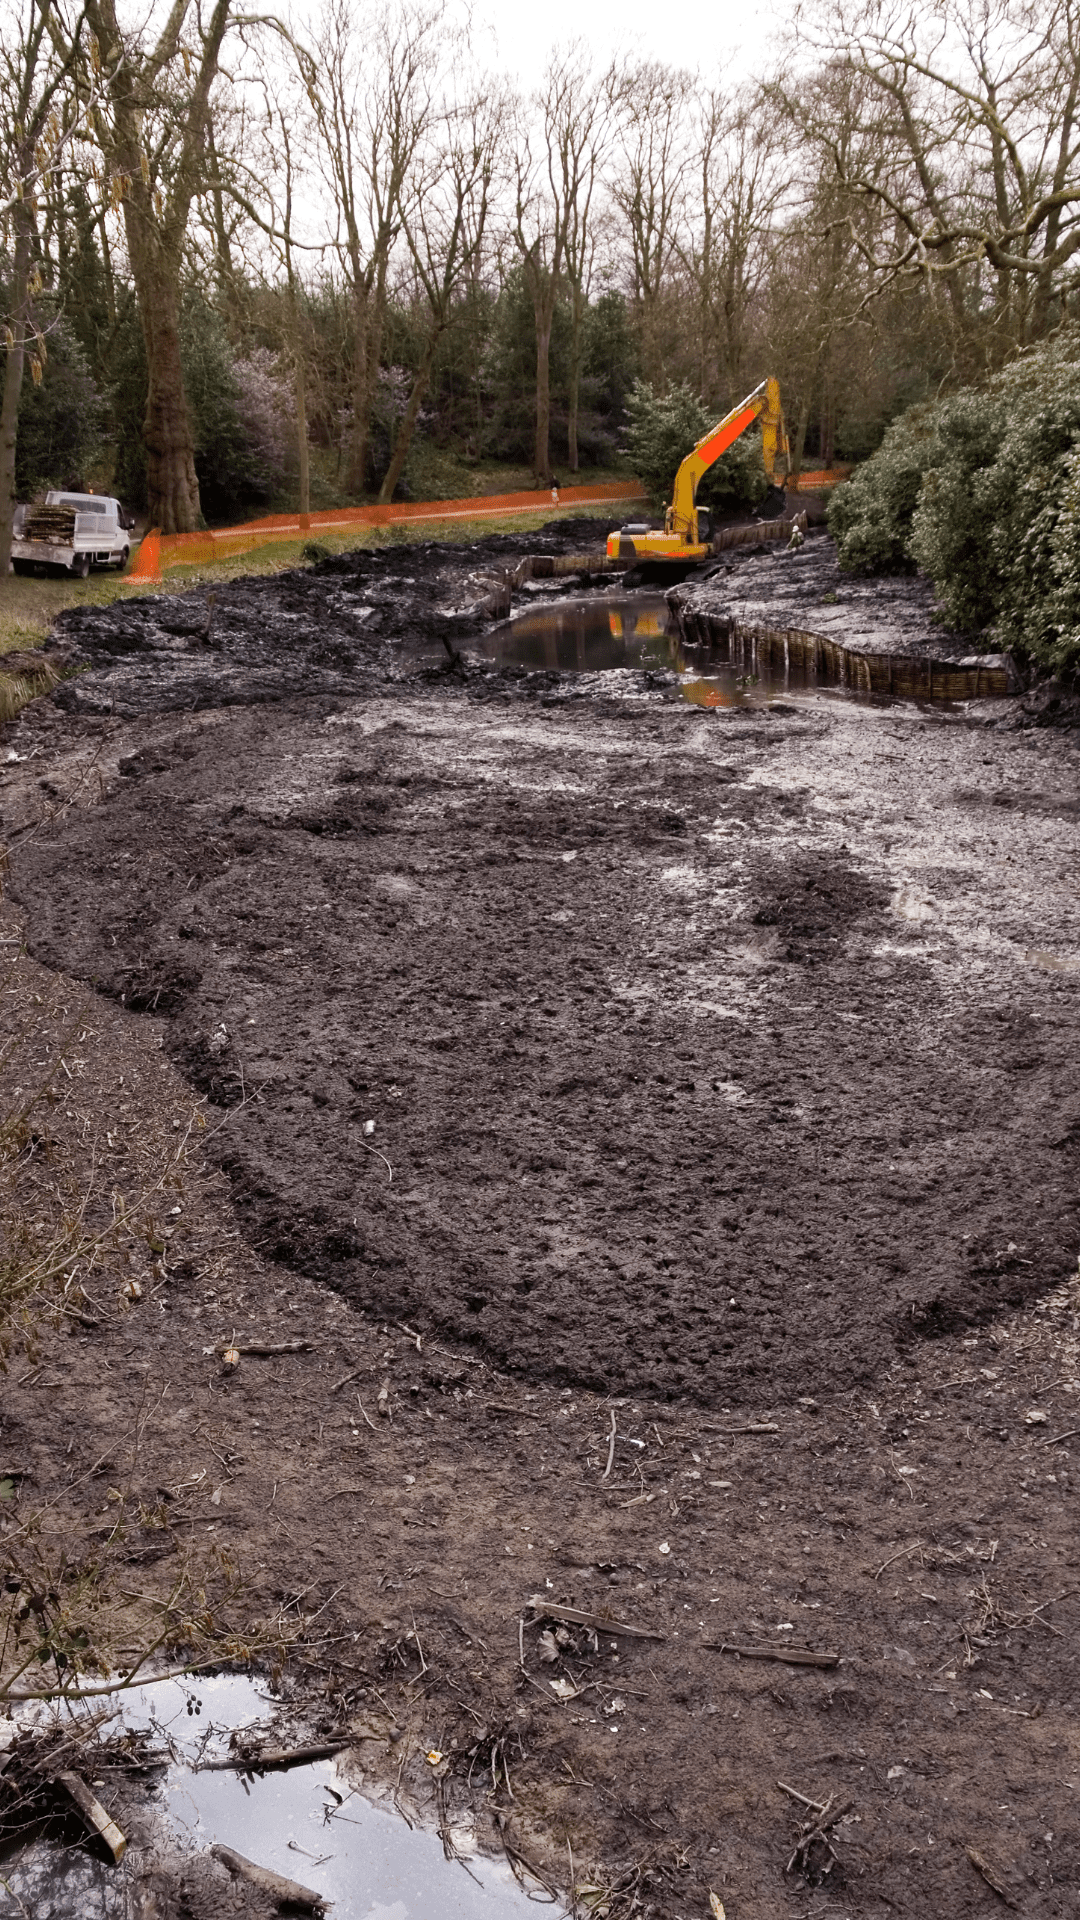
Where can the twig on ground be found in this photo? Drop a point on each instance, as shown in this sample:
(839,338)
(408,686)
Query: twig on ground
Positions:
(984,1868)
(577,1617)
(817,1805)
(791,1656)
(754,1426)
(902,1554)
(611,1449)
(379,1156)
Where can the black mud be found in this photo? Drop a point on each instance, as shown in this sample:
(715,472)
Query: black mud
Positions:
(670,1106)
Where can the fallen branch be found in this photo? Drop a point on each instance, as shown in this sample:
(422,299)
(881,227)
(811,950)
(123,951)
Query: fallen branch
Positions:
(755,1426)
(267,1348)
(283,1892)
(1057,1438)
(791,1656)
(94,1814)
(577,1617)
(512,1413)
(815,1832)
(275,1757)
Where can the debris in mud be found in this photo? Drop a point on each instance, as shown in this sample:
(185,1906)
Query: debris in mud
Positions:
(815,1853)
(45,1773)
(283,1893)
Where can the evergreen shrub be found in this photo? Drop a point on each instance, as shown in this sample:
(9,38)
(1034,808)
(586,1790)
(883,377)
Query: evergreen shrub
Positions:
(662,429)
(981,491)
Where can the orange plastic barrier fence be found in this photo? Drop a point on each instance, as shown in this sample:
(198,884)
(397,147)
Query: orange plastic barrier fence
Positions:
(821,478)
(159,551)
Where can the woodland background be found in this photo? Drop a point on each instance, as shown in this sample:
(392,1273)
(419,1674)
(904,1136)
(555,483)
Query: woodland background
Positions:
(256,262)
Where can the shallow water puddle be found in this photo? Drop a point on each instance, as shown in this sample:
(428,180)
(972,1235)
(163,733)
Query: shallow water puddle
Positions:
(309,1824)
(606,633)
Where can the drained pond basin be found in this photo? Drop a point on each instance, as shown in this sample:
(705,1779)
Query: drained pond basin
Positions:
(630,1149)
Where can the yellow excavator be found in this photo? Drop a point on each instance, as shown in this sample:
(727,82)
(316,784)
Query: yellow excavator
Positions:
(687,534)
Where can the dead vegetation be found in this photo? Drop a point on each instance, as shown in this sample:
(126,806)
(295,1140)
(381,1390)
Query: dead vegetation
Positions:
(72,1243)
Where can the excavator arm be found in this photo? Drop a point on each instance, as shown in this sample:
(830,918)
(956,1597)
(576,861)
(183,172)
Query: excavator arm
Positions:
(681,517)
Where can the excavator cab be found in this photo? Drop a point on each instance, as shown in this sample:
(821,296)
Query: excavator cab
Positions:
(688,529)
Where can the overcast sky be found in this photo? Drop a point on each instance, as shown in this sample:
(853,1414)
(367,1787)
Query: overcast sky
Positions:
(516,36)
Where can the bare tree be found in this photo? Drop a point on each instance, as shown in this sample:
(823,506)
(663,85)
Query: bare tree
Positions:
(41,116)
(538,226)
(444,220)
(652,157)
(974,106)
(154,142)
(556,174)
(821,330)
(736,192)
(579,136)
(373,101)
(295,344)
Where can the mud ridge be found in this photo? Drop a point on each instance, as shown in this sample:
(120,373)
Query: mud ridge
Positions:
(878,636)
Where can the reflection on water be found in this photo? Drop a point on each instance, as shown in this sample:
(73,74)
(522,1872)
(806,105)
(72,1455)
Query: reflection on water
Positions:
(605,633)
(310,1825)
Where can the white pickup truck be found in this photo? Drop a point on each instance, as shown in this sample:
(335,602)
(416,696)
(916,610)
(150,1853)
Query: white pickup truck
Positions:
(72,531)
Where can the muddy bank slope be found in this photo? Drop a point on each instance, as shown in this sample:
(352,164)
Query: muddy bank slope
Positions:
(390,1511)
(805,589)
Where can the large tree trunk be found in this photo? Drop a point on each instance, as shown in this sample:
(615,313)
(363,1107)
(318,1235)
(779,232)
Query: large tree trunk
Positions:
(14,360)
(407,424)
(171,482)
(155,237)
(356,476)
(369,306)
(107,265)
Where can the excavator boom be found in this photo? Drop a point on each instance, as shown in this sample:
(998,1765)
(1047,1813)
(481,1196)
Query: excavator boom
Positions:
(680,539)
